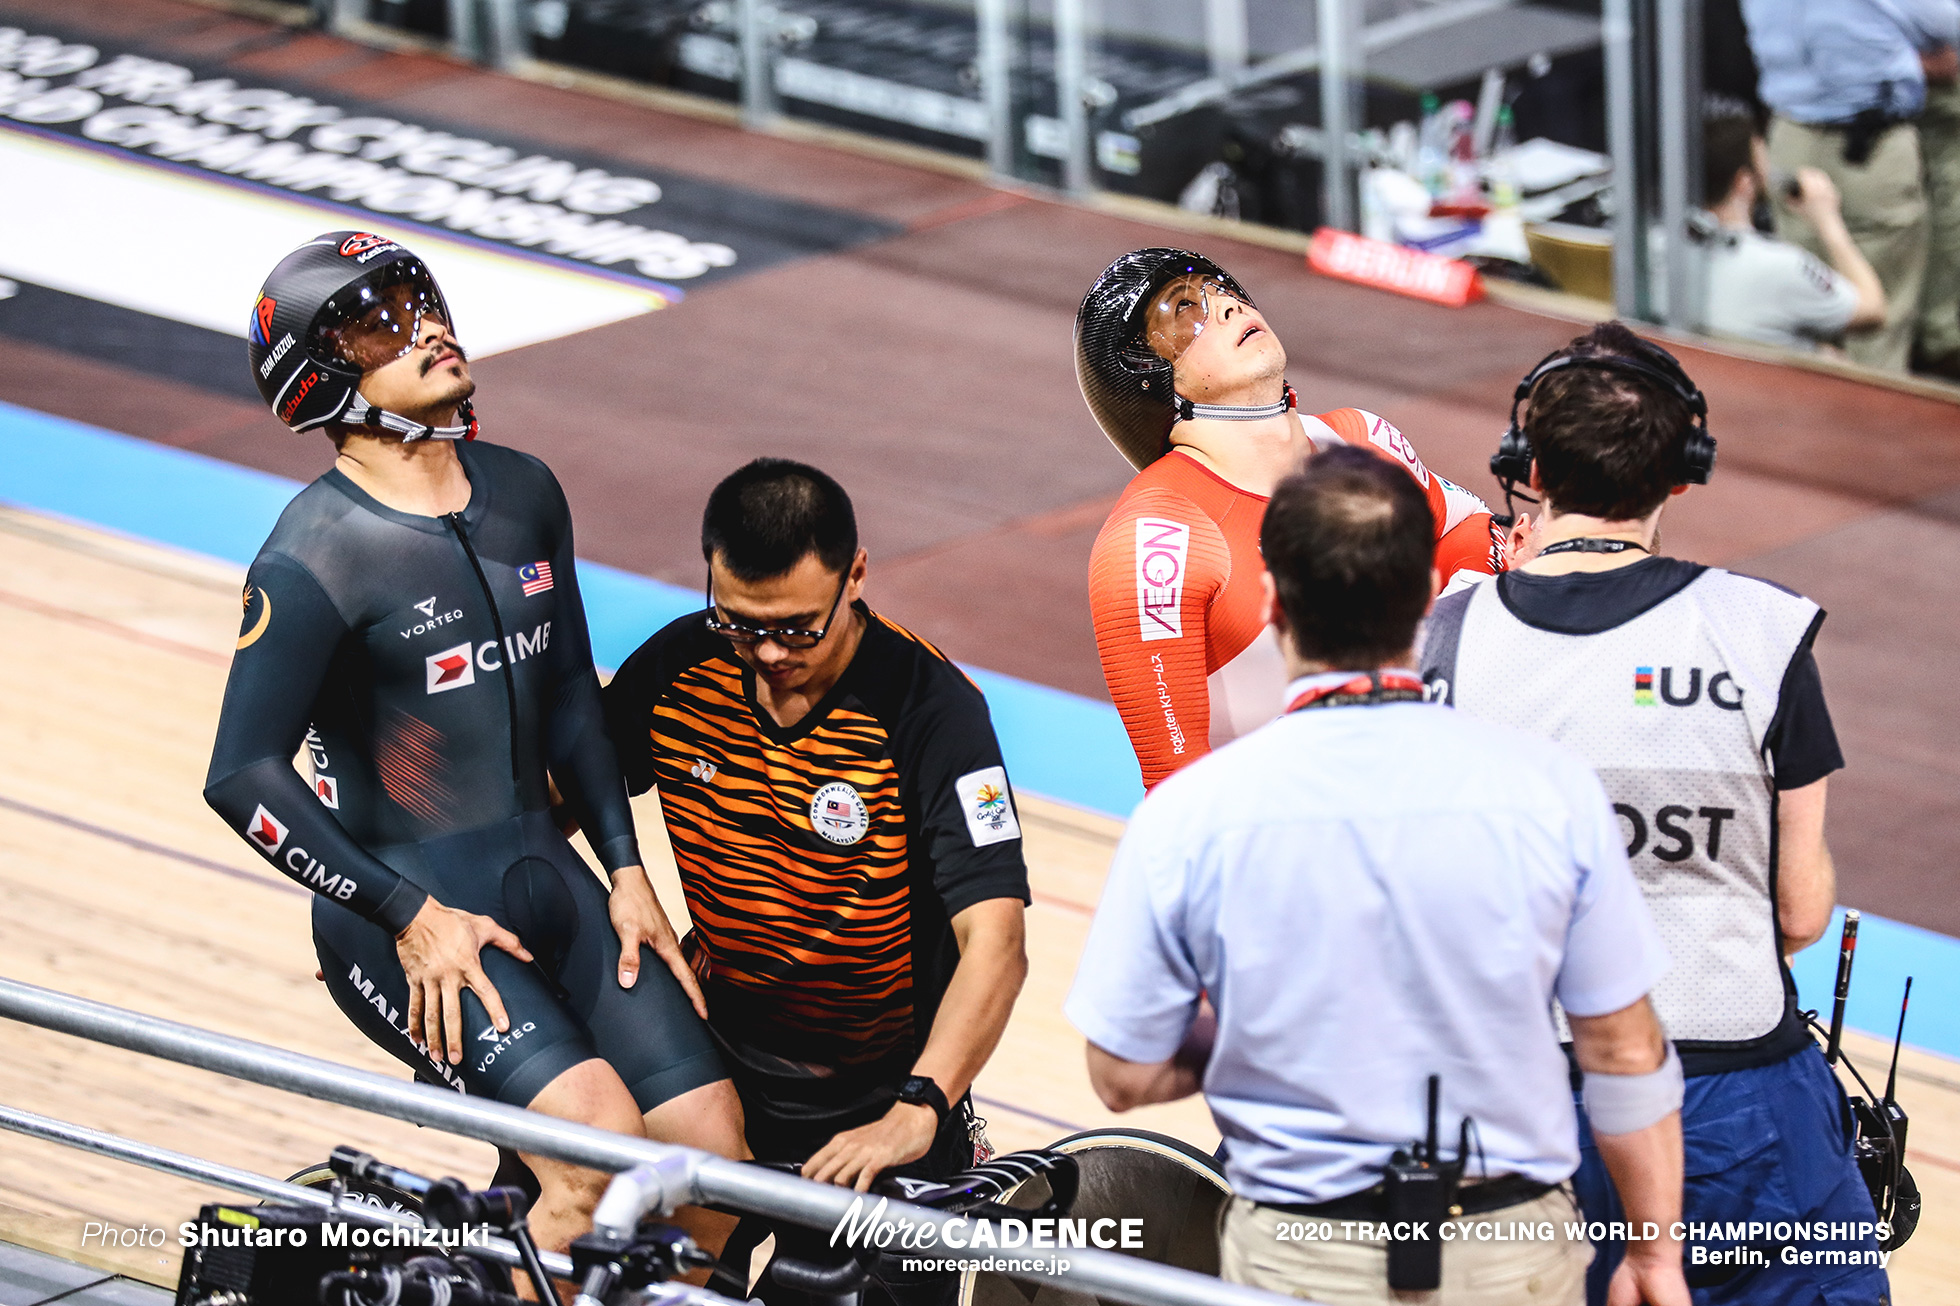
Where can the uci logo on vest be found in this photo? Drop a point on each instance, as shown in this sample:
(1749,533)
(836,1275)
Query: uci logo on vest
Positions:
(1723,692)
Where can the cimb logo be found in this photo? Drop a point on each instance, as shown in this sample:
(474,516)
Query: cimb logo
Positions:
(453,668)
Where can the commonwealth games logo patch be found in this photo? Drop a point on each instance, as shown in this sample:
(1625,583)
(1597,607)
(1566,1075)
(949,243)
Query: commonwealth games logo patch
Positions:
(988,806)
(1643,687)
(838,814)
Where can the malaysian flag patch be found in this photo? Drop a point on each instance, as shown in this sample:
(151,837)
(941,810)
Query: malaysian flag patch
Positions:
(536,578)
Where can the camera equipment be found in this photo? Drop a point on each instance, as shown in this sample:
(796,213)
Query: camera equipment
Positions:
(1511,464)
(1879,1140)
(344,1256)
(243,1256)
(420,1281)
(279,1255)
(449,1204)
(655,1254)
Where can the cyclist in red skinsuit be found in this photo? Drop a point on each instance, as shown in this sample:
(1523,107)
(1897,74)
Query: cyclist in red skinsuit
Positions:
(1174,577)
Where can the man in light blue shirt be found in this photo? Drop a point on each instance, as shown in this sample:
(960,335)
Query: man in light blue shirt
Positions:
(1827,61)
(1846,78)
(1372,890)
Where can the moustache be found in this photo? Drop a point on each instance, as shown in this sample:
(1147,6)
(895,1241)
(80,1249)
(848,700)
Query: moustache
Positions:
(441,355)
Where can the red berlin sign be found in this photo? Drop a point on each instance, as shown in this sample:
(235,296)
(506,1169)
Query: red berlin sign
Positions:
(1391,267)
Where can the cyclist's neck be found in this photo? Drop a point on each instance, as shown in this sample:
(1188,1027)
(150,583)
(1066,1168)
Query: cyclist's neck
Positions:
(423,477)
(1250,456)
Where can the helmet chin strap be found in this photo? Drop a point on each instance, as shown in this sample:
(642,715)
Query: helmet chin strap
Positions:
(1188,410)
(362,413)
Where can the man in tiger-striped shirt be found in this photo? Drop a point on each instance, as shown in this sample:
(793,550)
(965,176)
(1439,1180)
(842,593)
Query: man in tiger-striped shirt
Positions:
(845,833)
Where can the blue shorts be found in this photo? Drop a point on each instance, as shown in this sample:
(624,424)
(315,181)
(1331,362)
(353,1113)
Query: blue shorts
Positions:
(1770,1144)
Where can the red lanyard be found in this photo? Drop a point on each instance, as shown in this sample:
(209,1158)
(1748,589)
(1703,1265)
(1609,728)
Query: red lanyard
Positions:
(1364,688)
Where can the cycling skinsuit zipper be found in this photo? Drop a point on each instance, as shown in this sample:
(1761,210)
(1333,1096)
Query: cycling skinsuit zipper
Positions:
(455,520)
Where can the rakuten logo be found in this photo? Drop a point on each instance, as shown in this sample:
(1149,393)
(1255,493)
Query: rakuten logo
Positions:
(451,669)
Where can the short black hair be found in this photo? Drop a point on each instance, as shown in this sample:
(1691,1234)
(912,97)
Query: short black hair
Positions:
(766,517)
(1728,130)
(1609,443)
(1350,542)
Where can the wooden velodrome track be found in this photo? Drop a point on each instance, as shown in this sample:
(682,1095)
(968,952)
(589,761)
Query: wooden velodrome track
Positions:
(929,371)
(116,885)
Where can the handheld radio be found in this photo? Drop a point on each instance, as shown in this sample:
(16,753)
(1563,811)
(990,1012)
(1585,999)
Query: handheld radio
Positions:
(1420,1188)
(1879,1122)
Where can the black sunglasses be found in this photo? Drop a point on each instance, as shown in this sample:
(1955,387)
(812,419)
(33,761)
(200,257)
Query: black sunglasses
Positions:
(737,633)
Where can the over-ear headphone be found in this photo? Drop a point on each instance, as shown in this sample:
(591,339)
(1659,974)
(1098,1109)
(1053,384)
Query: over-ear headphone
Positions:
(1511,464)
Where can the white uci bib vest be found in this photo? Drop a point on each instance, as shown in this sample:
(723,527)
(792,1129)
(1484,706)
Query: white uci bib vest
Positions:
(1673,709)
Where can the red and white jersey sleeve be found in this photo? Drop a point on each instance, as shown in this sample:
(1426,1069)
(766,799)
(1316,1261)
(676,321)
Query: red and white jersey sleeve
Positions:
(1468,544)
(1155,570)
(1179,611)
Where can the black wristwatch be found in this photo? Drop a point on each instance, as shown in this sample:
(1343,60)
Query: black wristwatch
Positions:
(920,1090)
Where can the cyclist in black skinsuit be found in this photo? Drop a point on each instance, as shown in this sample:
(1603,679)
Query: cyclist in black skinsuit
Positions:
(413,626)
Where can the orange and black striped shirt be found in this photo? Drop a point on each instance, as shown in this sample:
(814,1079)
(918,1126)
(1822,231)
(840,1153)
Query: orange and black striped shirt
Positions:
(823,862)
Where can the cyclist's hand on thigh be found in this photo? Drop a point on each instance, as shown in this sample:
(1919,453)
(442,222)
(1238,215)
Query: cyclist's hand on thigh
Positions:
(639,918)
(441,954)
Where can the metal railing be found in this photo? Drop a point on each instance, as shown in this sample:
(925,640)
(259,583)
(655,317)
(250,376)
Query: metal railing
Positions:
(662,1176)
(231,1178)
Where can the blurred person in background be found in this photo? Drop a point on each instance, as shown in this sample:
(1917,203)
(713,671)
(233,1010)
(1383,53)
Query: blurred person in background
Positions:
(1761,288)
(1846,79)
(1373,890)
(1938,349)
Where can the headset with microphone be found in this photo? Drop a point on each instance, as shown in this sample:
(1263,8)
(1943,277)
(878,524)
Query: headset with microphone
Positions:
(1511,464)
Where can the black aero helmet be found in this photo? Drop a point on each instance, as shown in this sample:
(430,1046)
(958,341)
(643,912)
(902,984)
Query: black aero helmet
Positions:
(337,307)
(1124,362)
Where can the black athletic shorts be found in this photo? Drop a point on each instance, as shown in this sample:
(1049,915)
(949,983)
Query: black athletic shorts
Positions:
(565,1007)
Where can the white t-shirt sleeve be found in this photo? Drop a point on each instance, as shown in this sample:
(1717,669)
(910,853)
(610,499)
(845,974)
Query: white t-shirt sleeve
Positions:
(1613,953)
(1811,298)
(1136,989)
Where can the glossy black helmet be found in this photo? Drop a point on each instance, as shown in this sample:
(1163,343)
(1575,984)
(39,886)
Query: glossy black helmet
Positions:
(1126,381)
(336,307)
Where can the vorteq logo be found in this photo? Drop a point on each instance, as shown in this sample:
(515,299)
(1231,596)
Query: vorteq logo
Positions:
(451,669)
